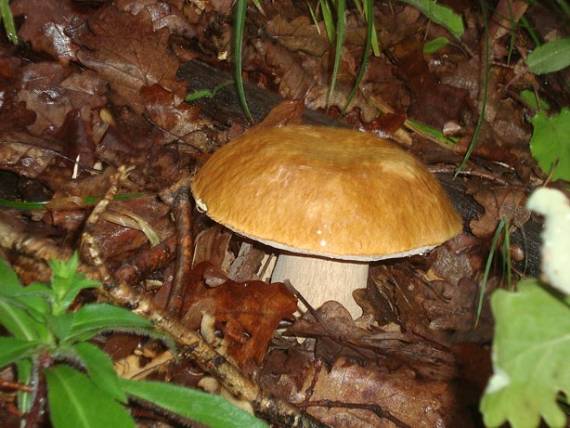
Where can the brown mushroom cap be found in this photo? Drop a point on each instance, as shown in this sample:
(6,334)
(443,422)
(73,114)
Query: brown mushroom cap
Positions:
(327,192)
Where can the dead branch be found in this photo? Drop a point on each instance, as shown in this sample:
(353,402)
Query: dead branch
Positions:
(183,215)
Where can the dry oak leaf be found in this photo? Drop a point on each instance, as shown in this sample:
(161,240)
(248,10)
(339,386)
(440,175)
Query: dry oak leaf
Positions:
(245,313)
(127,52)
(352,396)
(507,202)
(48,26)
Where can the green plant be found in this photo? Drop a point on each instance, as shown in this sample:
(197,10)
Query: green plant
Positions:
(531,344)
(550,57)
(335,30)
(439,14)
(49,340)
(436,44)
(549,144)
(8,21)
(530,357)
(205,93)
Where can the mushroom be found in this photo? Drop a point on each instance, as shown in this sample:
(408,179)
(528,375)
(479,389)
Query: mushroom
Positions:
(332,200)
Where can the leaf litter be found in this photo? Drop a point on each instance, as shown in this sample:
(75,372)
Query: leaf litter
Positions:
(96,87)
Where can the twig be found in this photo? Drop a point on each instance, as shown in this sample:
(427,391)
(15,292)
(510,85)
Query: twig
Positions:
(4,384)
(473,173)
(146,261)
(374,408)
(182,213)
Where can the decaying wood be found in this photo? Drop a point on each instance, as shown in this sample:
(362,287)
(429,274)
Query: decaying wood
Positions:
(184,250)
(225,109)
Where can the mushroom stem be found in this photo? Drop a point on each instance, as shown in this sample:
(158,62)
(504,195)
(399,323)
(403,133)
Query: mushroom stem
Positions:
(319,279)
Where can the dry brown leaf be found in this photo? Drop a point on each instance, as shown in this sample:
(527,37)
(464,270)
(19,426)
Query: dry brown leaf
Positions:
(246,314)
(499,202)
(48,25)
(127,52)
(382,396)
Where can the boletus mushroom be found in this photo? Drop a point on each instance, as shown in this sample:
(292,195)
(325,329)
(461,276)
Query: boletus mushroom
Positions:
(332,200)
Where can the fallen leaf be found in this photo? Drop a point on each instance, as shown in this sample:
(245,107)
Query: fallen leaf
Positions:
(349,395)
(246,314)
(499,202)
(127,52)
(48,24)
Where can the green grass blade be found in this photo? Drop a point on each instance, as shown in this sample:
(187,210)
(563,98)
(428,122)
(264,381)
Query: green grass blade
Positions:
(340,35)
(430,133)
(358,4)
(530,30)
(477,131)
(328,19)
(23,205)
(258,6)
(314,17)
(488,264)
(8,20)
(239,28)
(375,43)
(368,4)
(507,262)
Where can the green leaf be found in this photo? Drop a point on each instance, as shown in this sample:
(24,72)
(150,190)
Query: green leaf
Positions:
(100,369)
(67,282)
(35,297)
(19,323)
(550,57)
(12,349)
(24,368)
(533,101)
(530,358)
(211,410)
(75,402)
(328,19)
(441,15)
(60,325)
(436,44)
(205,93)
(366,53)
(550,143)
(430,132)
(8,21)
(9,281)
(94,319)
(23,205)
